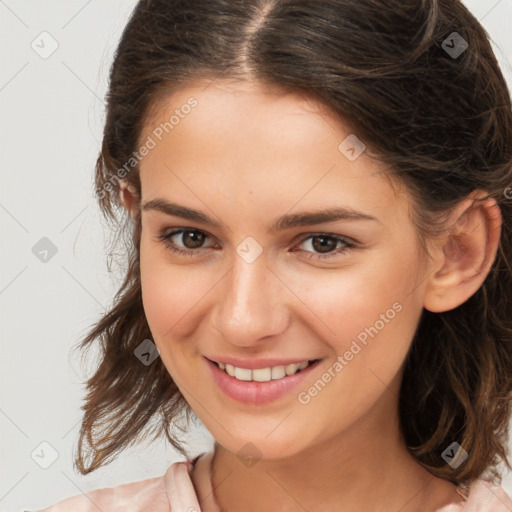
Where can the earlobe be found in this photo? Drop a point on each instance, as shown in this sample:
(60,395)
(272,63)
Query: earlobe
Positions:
(464,256)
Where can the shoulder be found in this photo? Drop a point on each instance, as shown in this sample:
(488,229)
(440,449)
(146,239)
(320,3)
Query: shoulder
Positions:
(486,497)
(150,494)
(482,496)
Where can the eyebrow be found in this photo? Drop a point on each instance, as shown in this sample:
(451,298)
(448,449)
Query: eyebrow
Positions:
(308,218)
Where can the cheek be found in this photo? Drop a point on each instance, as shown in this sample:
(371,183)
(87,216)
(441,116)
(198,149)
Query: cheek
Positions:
(170,292)
(350,299)
(168,297)
(368,330)
(368,312)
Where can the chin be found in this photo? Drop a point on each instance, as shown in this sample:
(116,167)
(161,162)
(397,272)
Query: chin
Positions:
(258,447)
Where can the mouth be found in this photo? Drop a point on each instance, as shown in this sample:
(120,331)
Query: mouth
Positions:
(260,385)
(264,374)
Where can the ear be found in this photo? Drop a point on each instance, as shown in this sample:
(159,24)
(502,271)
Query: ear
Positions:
(463,257)
(127,195)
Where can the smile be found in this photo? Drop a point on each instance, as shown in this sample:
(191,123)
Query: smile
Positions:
(263,374)
(274,381)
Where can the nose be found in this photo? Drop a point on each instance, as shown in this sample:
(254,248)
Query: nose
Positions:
(252,303)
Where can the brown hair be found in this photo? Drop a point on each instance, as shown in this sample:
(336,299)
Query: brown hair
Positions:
(441,122)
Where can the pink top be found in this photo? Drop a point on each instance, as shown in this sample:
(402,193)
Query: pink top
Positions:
(174,492)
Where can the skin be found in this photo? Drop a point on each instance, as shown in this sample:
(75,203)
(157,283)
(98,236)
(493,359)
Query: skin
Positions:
(247,154)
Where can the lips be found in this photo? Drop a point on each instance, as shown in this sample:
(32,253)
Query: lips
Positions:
(257,393)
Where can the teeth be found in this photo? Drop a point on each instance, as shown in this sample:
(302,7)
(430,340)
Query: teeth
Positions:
(278,372)
(291,369)
(243,373)
(262,374)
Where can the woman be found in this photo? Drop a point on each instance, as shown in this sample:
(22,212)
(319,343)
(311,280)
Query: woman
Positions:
(319,267)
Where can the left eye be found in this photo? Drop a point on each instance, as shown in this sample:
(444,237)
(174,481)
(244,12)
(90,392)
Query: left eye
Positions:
(326,245)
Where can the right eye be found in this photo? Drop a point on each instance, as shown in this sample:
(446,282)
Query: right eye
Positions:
(193,238)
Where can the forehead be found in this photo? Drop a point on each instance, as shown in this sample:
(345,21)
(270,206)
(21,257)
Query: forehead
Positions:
(245,137)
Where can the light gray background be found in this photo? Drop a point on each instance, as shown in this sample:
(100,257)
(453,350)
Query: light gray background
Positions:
(51,115)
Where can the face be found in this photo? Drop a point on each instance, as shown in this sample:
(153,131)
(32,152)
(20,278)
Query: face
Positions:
(264,278)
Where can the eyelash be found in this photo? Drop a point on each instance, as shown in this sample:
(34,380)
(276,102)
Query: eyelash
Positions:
(165,239)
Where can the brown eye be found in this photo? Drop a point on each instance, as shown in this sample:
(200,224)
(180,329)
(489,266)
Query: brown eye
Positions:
(184,241)
(323,245)
(192,239)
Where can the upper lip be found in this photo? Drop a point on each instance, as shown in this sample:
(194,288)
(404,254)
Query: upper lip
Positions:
(254,364)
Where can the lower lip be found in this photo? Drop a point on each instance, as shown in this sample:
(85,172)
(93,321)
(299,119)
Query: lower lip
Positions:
(252,392)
